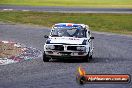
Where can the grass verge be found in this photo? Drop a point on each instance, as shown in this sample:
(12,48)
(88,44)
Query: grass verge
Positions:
(80,3)
(115,23)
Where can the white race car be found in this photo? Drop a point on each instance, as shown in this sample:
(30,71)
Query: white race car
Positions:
(67,40)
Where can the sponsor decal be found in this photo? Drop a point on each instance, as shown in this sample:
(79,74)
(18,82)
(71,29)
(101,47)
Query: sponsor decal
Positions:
(73,38)
(84,78)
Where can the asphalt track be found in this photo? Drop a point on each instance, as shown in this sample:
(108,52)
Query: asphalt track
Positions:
(67,9)
(112,55)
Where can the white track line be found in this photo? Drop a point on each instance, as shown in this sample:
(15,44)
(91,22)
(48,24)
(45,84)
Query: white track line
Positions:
(7,9)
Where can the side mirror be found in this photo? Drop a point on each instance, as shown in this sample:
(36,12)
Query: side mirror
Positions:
(46,36)
(91,37)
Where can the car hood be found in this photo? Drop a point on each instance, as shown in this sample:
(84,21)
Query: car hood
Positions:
(65,40)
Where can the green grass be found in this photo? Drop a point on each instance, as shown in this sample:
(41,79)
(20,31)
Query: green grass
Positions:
(84,3)
(116,23)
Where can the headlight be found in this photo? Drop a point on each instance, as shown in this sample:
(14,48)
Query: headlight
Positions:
(81,48)
(50,47)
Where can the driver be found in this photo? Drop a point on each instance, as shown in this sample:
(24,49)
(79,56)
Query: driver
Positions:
(77,32)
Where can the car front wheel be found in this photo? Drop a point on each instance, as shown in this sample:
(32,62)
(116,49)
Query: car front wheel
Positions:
(45,58)
(87,58)
(91,57)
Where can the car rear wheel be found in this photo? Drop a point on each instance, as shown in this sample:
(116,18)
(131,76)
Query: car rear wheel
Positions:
(91,57)
(45,58)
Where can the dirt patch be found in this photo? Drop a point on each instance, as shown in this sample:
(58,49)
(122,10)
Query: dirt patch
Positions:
(9,49)
(11,52)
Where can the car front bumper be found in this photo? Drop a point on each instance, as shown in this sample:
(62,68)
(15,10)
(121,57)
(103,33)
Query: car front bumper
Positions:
(65,54)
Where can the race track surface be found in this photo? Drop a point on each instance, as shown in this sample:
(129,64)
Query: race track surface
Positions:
(112,55)
(67,9)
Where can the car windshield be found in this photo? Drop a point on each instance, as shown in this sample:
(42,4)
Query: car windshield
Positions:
(68,32)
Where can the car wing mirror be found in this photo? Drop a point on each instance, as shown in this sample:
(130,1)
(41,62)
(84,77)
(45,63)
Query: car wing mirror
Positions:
(91,37)
(46,36)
